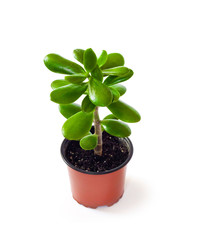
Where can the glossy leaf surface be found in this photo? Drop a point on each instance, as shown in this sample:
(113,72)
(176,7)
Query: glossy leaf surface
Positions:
(111,80)
(67,110)
(97,73)
(116,128)
(124,112)
(58,64)
(102,58)
(120,88)
(110,116)
(68,94)
(76,78)
(113,60)
(77,126)
(59,83)
(87,105)
(116,71)
(89,142)
(99,94)
(79,55)
(116,94)
(90,60)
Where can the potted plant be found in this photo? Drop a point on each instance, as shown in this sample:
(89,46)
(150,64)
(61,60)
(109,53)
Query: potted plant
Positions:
(96,151)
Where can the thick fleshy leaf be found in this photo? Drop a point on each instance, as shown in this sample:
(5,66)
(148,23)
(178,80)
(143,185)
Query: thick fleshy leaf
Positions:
(110,116)
(77,126)
(87,105)
(102,58)
(116,71)
(124,112)
(120,88)
(68,94)
(97,73)
(79,55)
(58,64)
(76,78)
(116,128)
(67,110)
(86,92)
(90,60)
(59,83)
(113,60)
(99,94)
(89,142)
(111,80)
(116,94)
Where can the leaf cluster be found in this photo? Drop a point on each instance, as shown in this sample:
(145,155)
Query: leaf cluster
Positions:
(99,80)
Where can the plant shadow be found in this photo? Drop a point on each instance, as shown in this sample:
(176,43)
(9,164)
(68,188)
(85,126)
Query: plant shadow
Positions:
(135,196)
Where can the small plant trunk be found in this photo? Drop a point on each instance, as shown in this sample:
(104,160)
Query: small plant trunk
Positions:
(98,131)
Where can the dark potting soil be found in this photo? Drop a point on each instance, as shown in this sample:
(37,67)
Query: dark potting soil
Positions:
(115,152)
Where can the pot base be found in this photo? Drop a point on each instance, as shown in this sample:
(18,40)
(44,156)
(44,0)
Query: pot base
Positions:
(94,207)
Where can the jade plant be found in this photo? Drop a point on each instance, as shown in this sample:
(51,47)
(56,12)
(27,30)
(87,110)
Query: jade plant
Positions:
(98,80)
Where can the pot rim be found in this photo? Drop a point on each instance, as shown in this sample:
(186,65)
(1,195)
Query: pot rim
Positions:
(66,142)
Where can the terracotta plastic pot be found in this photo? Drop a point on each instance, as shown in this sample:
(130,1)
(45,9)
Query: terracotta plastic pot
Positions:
(97,189)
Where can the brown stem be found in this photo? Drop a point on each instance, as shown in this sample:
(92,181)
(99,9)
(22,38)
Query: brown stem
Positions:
(98,131)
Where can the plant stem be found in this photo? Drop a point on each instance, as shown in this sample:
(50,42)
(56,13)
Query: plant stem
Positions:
(98,131)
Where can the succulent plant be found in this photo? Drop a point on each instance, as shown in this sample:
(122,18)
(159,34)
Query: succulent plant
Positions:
(99,80)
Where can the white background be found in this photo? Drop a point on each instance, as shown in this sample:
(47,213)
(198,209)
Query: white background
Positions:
(160,42)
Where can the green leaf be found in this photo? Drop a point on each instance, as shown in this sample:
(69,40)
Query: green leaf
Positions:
(59,83)
(116,94)
(89,142)
(87,105)
(90,60)
(76,78)
(116,71)
(102,58)
(114,60)
(68,94)
(67,110)
(58,64)
(97,73)
(111,80)
(110,116)
(79,55)
(99,94)
(120,88)
(116,128)
(124,112)
(77,126)
(86,92)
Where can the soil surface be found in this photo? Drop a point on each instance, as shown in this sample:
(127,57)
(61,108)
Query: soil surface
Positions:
(115,152)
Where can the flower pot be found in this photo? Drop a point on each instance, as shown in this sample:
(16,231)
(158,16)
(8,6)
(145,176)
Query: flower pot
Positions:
(93,189)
